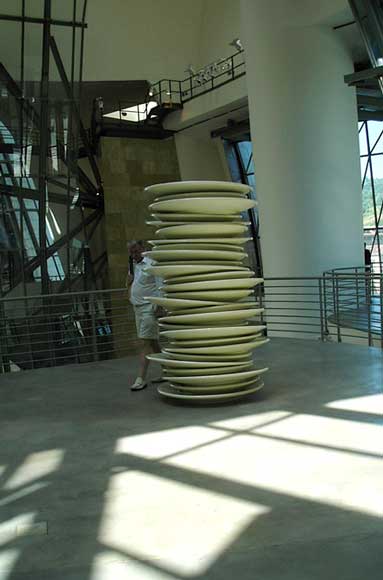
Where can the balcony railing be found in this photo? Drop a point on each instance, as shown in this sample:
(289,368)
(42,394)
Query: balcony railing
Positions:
(81,327)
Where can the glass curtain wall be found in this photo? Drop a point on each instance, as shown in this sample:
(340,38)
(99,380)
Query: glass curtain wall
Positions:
(371,164)
(50,200)
(239,155)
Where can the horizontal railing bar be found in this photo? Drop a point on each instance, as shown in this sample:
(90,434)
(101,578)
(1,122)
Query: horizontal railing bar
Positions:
(271,322)
(266,316)
(57,294)
(296,331)
(284,301)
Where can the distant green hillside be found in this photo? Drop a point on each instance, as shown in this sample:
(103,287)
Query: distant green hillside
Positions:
(368,206)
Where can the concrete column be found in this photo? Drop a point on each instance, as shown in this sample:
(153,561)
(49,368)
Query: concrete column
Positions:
(304,130)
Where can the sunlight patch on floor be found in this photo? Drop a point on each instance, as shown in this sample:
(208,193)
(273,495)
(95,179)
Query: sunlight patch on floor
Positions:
(302,471)
(9,528)
(186,528)
(15,496)
(248,422)
(35,466)
(158,444)
(8,560)
(368,404)
(111,566)
(331,432)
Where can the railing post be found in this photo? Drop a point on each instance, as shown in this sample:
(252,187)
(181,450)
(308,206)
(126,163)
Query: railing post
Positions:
(93,331)
(368,276)
(322,331)
(337,308)
(357,287)
(260,300)
(4,351)
(325,305)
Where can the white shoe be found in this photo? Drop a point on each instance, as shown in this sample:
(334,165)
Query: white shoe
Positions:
(139,384)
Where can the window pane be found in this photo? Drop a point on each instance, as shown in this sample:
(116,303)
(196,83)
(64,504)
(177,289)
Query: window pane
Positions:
(363,140)
(375,130)
(246,151)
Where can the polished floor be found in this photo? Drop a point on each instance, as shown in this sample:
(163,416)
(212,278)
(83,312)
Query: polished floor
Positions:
(98,483)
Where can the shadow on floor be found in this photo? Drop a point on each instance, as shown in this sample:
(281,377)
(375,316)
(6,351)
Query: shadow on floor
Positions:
(280,486)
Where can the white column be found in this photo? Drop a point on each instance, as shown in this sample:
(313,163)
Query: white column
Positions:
(304,129)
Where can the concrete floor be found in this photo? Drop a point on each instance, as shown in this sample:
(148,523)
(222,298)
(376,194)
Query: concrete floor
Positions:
(100,483)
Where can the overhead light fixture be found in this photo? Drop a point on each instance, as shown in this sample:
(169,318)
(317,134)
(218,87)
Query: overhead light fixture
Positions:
(236,42)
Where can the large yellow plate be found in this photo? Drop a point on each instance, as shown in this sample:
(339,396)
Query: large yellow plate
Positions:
(222,295)
(173,394)
(173,270)
(211,276)
(178,303)
(215,341)
(217,379)
(181,363)
(235,386)
(204,205)
(196,186)
(196,230)
(232,284)
(208,317)
(213,332)
(186,255)
(228,349)
(189,217)
(237,241)
(212,370)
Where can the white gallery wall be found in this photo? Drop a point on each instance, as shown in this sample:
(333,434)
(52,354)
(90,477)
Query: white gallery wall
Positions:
(141,40)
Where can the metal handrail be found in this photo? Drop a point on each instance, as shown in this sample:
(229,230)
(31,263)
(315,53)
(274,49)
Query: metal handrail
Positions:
(85,326)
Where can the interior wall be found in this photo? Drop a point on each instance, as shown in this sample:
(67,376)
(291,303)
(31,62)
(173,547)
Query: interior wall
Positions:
(149,39)
(127,167)
(221,22)
(200,158)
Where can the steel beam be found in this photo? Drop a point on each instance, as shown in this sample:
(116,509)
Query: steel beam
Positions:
(364,75)
(35,262)
(370,115)
(69,94)
(368,101)
(44,143)
(36,20)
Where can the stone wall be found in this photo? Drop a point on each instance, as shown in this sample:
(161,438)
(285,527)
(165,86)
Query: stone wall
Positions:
(127,166)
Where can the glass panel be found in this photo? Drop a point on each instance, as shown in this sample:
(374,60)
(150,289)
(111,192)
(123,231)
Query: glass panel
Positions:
(245,149)
(34,8)
(363,168)
(11,8)
(232,161)
(64,10)
(10,47)
(375,131)
(363,141)
(251,182)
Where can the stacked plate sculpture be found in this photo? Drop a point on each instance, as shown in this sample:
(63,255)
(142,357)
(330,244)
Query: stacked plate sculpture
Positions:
(212,326)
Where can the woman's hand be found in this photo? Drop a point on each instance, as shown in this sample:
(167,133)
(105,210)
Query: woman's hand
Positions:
(159,311)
